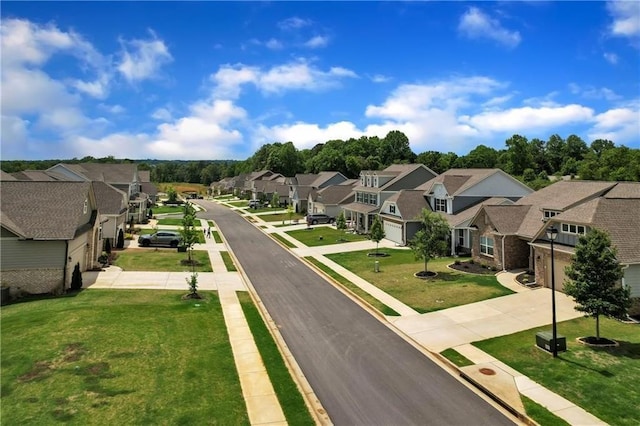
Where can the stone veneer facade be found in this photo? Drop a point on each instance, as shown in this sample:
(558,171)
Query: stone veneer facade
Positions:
(33,281)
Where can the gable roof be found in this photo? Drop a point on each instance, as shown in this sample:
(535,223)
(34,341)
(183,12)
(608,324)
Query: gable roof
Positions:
(104,172)
(507,220)
(457,181)
(110,200)
(564,194)
(409,203)
(335,194)
(41,175)
(6,176)
(59,209)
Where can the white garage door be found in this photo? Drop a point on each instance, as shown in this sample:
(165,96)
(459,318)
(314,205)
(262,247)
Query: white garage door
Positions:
(558,272)
(393,232)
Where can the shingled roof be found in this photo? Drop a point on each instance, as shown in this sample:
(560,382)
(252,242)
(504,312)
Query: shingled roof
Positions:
(336,194)
(43,210)
(105,172)
(110,200)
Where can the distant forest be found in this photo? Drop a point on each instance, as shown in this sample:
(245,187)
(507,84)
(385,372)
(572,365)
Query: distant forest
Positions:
(531,161)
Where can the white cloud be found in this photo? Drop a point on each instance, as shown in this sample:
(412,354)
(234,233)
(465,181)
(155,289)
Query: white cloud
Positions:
(620,125)
(293,23)
(529,119)
(305,135)
(274,44)
(97,89)
(475,24)
(626,18)
(162,114)
(142,59)
(298,75)
(612,58)
(14,136)
(112,109)
(317,42)
(379,78)
(591,92)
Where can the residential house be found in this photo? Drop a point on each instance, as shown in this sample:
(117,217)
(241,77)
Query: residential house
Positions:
(124,177)
(330,199)
(46,229)
(376,186)
(301,185)
(456,194)
(148,187)
(113,207)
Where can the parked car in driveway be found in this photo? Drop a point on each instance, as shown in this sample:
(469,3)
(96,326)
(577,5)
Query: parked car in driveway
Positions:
(314,219)
(160,238)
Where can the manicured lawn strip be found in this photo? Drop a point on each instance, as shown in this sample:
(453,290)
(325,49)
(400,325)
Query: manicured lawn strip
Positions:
(166,210)
(330,235)
(283,240)
(241,203)
(216,237)
(448,289)
(381,307)
(251,210)
(228,262)
(161,259)
(279,217)
(540,414)
(119,357)
(456,357)
(602,381)
(293,405)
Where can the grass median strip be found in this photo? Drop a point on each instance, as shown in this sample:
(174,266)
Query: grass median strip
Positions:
(396,277)
(228,261)
(292,402)
(325,235)
(381,307)
(119,357)
(161,260)
(603,381)
(283,240)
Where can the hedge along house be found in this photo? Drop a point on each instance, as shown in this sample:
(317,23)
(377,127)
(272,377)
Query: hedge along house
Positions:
(617,212)
(502,234)
(46,229)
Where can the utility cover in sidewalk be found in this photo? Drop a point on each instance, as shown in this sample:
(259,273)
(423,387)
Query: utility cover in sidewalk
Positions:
(496,381)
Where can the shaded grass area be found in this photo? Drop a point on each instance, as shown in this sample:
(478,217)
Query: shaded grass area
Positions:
(448,289)
(325,235)
(161,260)
(228,261)
(167,210)
(603,381)
(173,221)
(283,240)
(456,357)
(279,217)
(292,402)
(375,303)
(119,357)
(540,414)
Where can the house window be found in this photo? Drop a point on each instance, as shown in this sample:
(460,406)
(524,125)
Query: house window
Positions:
(486,246)
(85,207)
(440,205)
(568,228)
(375,181)
(392,208)
(461,237)
(548,214)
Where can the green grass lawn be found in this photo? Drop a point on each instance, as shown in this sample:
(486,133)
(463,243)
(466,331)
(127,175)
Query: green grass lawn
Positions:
(240,203)
(375,303)
(216,237)
(228,261)
(173,221)
(283,240)
(167,210)
(330,235)
(293,405)
(449,288)
(105,357)
(279,217)
(164,260)
(603,381)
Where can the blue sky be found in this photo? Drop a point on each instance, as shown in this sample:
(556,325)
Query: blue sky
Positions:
(217,80)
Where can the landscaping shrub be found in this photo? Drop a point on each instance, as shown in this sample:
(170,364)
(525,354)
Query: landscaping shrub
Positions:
(76,278)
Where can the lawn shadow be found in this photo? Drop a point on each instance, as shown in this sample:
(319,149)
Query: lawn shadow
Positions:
(604,373)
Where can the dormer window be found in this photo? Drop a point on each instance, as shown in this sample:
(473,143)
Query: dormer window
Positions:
(548,214)
(440,205)
(392,208)
(568,228)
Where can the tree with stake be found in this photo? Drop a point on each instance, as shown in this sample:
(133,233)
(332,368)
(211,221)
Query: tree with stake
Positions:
(188,230)
(431,240)
(377,233)
(290,212)
(275,200)
(594,279)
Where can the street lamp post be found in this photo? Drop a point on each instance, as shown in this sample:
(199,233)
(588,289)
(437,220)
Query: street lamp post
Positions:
(552,234)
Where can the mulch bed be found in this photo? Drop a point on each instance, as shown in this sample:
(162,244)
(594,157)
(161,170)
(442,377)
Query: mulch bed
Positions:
(472,268)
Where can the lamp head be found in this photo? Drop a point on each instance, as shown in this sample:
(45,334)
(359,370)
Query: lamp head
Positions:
(552,233)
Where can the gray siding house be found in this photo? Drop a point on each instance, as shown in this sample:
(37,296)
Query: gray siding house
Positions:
(46,229)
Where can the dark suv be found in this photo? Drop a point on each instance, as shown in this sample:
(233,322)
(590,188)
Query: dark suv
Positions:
(160,238)
(316,218)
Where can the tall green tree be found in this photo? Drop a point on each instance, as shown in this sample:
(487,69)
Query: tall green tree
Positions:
(594,279)
(519,157)
(341,221)
(431,240)
(275,200)
(376,232)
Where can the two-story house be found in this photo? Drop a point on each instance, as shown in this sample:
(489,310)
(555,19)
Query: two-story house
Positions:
(456,194)
(376,186)
(330,199)
(47,227)
(301,185)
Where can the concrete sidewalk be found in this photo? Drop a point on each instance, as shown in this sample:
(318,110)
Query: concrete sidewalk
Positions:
(459,326)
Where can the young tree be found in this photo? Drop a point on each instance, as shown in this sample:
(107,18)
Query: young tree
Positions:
(290,212)
(275,200)
(341,221)
(377,232)
(431,240)
(594,279)
(172,194)
(188,230)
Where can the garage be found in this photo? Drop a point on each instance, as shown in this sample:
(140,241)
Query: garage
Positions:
(393,232)
(559,268)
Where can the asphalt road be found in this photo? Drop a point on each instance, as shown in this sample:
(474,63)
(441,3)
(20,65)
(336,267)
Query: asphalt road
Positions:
(362,372)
